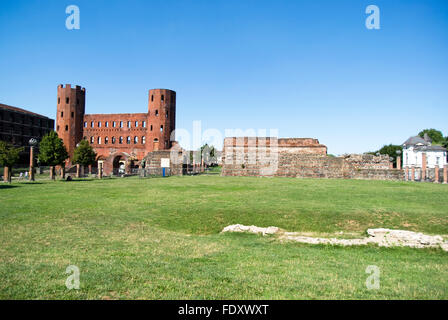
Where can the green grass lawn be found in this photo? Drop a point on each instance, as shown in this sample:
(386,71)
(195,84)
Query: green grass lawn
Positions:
(160,238)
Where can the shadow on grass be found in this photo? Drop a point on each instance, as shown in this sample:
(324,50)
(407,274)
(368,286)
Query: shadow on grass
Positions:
(7,186)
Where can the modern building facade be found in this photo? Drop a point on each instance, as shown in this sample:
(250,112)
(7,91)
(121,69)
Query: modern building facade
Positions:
(18,126)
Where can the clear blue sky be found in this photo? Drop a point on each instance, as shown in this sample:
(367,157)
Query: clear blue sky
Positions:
(307,68)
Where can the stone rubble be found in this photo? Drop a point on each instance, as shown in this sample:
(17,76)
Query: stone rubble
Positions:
(381,237)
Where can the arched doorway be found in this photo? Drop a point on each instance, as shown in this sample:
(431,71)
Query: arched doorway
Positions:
(119,165)
(156,144)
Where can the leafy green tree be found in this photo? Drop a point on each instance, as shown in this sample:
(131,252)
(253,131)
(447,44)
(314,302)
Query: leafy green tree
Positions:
(52,151)
(391,151)
(84,154)
(445,143)
(9,155)
(435,135)
(208,153)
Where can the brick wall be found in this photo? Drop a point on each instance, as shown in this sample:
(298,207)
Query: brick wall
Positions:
(300,158)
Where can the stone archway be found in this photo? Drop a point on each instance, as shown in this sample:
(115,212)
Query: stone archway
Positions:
(119,165)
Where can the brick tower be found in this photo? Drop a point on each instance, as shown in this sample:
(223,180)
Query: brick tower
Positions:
(70,116)
(161,119)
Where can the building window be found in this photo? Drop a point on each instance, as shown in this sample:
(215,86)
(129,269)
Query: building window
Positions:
(135,140)
(144,124)
(67,100)
(128,140)
(163,98)
(120,140)
(85,124)
(66,127)
(166,114)
(62,114)
(107,124)
(150,128)
(106,140)
(156,140)
(136,124)
(73,114)
(129,124)
(152,97)
(99,124)
(59,100)
(92,124)
(121,124)
(99,140)
(161,128)
(157,113)
(113,140)
(92,140)
(57,129)
(143,140)
(114,124)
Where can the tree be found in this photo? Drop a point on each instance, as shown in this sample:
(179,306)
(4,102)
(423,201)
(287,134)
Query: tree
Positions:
(208,154)
(435,135)
(84,154)
(391,151)
(52,151)
(445,143)
(9,155)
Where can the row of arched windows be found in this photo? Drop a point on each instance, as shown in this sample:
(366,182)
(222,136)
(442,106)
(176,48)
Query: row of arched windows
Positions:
(115,124)
(120,140)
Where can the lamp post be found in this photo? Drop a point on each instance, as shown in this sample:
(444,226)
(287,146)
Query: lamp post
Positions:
(32,143)
(78,174)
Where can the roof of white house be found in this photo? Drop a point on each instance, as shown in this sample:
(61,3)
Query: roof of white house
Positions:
(422,144)
(415,141)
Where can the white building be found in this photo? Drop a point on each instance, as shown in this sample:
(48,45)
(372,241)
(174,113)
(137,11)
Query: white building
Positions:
(413,150)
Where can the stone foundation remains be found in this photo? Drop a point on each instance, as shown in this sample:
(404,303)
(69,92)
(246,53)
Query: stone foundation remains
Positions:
(300,158)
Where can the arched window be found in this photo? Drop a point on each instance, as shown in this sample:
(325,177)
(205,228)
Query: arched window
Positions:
(66,127)
(121,124)
(143,140)
(152,97)
(144,124)
(92,140)
(92,124)
(161,128)
(114,124)
(163,97)
(157,113)
(113,140)
(106,140)
(128,140)
(99,140)
(156,140)
(136,124)
(107,124)
(129,124)
(135,140)
(85,124)
(120,140)
(150,128)
(99,124)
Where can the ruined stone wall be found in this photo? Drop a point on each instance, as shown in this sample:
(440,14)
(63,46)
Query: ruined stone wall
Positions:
(301,158)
